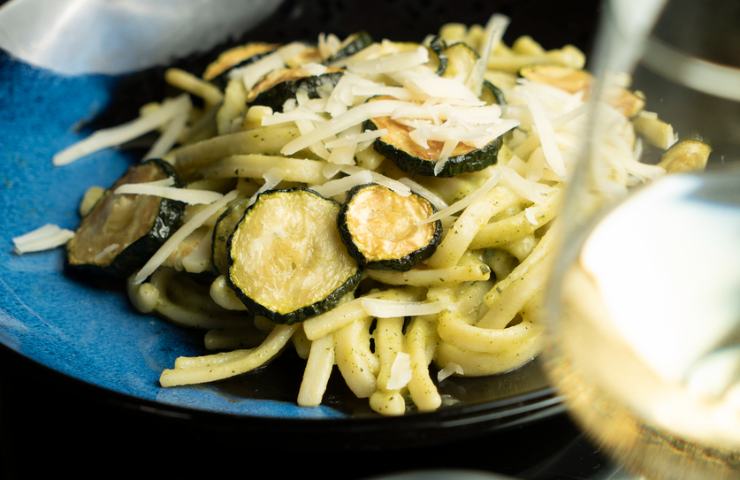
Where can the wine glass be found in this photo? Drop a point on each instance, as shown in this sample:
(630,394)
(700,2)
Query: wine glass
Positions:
(644,301)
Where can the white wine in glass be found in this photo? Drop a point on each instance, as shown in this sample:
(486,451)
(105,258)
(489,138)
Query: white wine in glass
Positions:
(644,307)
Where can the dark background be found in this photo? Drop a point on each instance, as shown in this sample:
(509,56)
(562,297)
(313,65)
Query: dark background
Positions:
(53,425)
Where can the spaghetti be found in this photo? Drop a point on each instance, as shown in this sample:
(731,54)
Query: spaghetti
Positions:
(446,120)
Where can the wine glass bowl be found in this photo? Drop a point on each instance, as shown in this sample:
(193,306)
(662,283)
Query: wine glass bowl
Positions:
(644,312)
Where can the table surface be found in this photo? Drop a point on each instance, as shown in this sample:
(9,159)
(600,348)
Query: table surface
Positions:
(82,428)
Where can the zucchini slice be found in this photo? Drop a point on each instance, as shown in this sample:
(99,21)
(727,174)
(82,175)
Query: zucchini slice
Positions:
(384,230)
(236,57)
(461,60)
(121,232)
(222,231)
(412,158)
(282,85)
(686,156)
(351,45)
(287,260)
(436,46)
(491,94)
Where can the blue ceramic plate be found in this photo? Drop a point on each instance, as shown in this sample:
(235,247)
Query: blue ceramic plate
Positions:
(93,335)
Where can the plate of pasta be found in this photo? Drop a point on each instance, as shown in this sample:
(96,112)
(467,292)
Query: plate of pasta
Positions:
(340,230)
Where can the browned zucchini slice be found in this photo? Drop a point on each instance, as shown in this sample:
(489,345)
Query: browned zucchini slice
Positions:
(287,260)
(573,80)
(121,232)
(410,157)
(281,85)
(383,229)
(236,57)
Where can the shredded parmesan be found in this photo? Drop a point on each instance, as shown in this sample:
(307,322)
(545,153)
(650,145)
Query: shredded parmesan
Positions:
(174,129)
(532,191)
(291,116)
(253,72)
(351,117)
(449,370)
(426,84)
(46,237)
(433,198)
(189,196)
(181,234)
(444,155)
(111,137)
(328,45)
(380,179)
(547,136)
(530,215)
(464,202)
(165,182)
(356,138)
(392,62)
(390,308)
(341,185)
(495,28)
(400,373)
(272,178)
(104,252)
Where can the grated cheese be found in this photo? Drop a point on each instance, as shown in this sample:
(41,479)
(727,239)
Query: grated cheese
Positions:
(341,185)
(426,84)
(189,196)
(351,117)
(444,155)
(104,252)
(46,237)
(378,308)
(111,137)
(380,179)
(400,373)
(252,73)
(546,133)
(291,116)
(181,234)
(392,62)
(328,45)
(495,28)
(172,132)
(449,370)
(272,178)
(356,138)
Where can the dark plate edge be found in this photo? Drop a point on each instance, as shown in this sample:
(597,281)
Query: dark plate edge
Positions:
(413,429)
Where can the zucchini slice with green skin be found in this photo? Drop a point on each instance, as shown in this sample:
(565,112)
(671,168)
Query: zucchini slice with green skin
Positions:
(222,231)
(351,45)
(286,257)
(491,94)
(461,61)
(122,232)
(412,158)
(282,85)
(436,46)
(241,56)
(384,230)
